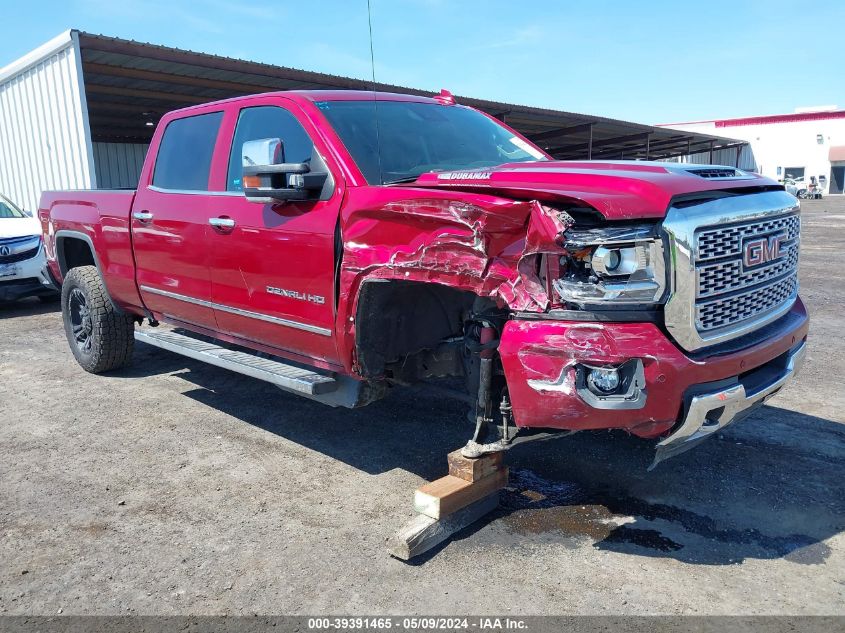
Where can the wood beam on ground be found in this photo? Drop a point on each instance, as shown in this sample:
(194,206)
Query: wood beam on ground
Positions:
(469,492)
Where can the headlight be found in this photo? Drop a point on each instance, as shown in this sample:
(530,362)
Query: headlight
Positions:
(620,265)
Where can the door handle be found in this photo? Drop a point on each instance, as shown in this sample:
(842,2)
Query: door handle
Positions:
(142,216)
(222,223)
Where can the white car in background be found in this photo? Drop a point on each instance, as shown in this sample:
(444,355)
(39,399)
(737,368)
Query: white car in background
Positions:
(23,266)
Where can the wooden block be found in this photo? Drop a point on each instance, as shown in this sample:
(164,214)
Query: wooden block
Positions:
(448,494)
(473,469)
(422,533)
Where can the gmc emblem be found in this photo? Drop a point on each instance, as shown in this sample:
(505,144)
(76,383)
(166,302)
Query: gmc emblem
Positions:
(761,251)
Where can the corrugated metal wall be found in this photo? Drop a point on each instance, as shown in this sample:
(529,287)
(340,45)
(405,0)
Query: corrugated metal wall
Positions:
(118,165)
(45,142)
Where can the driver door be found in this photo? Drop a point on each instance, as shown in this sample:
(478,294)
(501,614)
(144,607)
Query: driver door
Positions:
(273,264)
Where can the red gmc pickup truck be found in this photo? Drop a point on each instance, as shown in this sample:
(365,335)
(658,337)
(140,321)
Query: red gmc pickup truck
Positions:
(340,243)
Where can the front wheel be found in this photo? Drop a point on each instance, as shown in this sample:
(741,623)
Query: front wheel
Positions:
(100,337)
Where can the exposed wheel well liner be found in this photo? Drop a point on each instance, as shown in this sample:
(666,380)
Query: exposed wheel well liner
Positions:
(74,250)
(395,319)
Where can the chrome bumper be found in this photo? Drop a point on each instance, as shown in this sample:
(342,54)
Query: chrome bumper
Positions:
(714,410)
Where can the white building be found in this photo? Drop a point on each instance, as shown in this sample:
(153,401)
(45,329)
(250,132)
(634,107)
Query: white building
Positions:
(808,142)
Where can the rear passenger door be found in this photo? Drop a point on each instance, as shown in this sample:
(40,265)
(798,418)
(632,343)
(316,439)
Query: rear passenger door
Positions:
(273,267)
(170,227)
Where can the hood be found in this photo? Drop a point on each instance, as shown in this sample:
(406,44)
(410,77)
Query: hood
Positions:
(619,190)
(19,227)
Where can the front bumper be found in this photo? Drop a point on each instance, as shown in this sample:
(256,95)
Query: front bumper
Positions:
(541,360)
(713,407)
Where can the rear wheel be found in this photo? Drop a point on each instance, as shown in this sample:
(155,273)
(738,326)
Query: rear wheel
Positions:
(100,337)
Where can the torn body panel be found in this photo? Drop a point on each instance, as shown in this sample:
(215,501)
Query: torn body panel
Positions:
(480,244)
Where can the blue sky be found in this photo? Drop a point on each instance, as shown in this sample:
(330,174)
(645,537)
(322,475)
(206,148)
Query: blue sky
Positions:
(648,61)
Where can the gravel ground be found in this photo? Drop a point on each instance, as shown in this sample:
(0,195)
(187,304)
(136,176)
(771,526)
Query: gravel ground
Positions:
(179,488)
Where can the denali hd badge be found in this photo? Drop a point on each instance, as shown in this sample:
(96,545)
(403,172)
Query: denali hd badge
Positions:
(762,250)
(299,296)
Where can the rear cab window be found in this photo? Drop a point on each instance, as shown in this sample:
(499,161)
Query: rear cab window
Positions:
(183,162)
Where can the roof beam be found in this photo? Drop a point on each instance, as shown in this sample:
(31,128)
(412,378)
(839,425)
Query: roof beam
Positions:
(147,94)
(619,140)
(109,107)
(118,133)
(563,131)
(183,80)
(121,121)
(104,44)
(679,149)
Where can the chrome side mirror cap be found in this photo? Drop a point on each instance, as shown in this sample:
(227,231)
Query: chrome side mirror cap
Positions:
(268,179)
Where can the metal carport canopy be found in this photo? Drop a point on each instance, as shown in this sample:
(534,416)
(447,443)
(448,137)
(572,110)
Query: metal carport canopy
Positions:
(129,85)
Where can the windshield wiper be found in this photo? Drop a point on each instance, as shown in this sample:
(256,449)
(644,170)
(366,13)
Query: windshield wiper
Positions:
(401,180)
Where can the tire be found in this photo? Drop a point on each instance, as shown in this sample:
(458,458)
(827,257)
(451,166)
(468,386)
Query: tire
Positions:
(100,337)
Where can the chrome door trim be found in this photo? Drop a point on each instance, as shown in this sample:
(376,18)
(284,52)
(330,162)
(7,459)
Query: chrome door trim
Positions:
(313,329)
(194,192)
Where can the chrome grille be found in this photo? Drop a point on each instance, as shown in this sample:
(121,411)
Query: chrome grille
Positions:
(720,313)
(721,277)
(721,242)
(18,257)
(716,295)
(726,293)
(18,249)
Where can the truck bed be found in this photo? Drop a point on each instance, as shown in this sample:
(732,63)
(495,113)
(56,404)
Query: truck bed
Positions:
(102,218)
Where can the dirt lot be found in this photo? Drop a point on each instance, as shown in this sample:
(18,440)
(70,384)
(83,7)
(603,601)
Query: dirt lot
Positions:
(176,487)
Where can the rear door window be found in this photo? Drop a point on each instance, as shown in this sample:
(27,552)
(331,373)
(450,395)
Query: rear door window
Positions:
(267,122)
(184,155)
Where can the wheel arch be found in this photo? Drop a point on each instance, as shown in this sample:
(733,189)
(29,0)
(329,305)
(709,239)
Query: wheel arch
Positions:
(74,249)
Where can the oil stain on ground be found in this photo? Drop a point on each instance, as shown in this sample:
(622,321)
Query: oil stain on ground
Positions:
(532,505)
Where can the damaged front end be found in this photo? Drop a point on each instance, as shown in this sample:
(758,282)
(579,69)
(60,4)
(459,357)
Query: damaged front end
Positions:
(440,284)
(549,316)
(435,281)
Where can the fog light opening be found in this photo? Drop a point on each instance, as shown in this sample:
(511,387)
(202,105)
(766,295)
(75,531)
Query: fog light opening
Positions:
(603,381)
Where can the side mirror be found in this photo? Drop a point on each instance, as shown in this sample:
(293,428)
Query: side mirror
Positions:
(267,178)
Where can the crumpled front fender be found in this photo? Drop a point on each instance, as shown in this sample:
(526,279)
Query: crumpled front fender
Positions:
(483,244)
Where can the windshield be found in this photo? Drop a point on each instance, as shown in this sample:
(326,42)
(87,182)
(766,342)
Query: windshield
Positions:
(8,210)
(420,137)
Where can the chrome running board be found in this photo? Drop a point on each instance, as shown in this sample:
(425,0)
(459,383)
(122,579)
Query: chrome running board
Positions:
(288,377)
